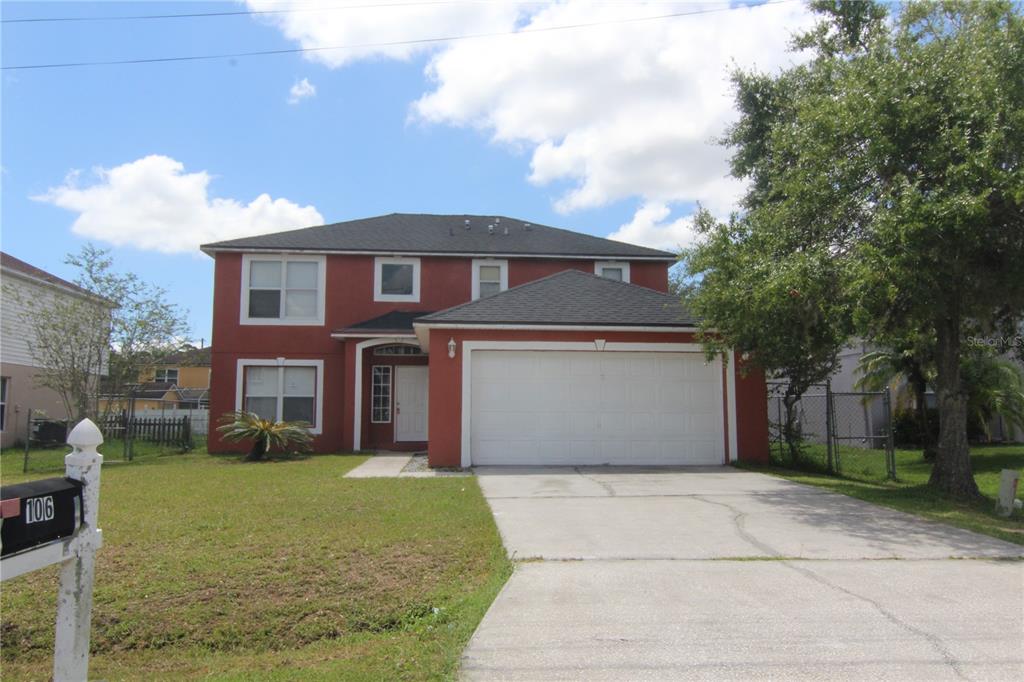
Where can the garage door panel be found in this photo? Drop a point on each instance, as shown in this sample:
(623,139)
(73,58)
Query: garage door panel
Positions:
(589,407)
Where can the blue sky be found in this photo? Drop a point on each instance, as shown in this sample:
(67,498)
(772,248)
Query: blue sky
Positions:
(360,146)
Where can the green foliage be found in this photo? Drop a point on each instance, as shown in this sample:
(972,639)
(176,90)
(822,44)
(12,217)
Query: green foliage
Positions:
(887,187)
(995,386)
(265,434)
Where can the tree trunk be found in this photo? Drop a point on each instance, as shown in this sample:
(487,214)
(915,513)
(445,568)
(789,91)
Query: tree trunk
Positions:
(951,473)
(259,448)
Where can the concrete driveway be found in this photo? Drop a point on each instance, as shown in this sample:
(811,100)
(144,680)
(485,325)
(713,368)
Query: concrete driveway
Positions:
(639,574)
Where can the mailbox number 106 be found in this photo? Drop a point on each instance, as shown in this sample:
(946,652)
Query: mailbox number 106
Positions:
(39,509)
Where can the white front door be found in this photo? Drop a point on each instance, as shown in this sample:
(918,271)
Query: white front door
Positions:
(411,403)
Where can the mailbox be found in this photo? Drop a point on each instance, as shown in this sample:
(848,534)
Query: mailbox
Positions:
(39,512)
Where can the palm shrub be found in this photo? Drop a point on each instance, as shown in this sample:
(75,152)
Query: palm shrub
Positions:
(264,433)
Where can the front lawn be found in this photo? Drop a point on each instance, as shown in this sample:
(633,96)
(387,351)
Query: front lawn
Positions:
(212,567)
(863,477)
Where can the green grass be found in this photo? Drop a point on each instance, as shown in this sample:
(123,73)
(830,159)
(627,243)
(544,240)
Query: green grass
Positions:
(215,568)
(864,477)
(51,460)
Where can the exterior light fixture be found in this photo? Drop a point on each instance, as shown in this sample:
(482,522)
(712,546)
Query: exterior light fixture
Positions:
(451,347)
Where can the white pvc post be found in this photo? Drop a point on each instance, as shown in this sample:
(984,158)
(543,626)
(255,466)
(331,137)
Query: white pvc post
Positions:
(74,598)
(1008,480)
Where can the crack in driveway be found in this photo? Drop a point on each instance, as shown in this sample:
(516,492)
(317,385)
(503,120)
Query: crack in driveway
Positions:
(738,518)
(607,486)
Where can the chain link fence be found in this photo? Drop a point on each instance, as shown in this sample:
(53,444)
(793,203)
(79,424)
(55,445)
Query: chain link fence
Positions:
(830,430)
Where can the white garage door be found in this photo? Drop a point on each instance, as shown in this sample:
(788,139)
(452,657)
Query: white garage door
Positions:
(610,407)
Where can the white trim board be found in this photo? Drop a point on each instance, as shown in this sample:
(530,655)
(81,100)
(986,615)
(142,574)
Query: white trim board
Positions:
(357,400)
(378,264)
(241,364)
(283,258)
(502,277)
(465,456)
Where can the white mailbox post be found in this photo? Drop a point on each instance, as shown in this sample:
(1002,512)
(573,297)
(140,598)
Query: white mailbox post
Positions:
(77,556)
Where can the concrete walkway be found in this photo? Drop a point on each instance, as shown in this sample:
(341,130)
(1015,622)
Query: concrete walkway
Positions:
(632,573)
(381,466)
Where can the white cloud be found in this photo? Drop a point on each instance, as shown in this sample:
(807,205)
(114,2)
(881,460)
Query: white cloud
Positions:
(358,22)
(615,111)
(650,228)
(154,205)
(300,91)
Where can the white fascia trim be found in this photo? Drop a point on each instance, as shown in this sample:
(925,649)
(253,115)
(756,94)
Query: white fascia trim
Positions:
(321,289)
(379,262)
(477,262)
(369,335)
(467,381)
(731,388)
(447,254)
(282,363)
(624,265)
(550,327)
(357,401)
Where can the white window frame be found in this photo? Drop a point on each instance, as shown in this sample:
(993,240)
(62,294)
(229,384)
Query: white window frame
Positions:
(391,394)
(284,259)
(281,363)
(600,265)
(378,264)
(165,370)
(477,262)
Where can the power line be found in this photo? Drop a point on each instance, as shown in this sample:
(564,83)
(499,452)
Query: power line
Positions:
(395,43)
(236,13)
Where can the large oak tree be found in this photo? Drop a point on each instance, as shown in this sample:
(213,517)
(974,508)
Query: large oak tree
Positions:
(897,151)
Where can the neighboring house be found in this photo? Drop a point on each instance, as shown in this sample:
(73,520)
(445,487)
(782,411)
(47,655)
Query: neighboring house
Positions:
(180,380)
(872,410)
(24,287)
(482,340)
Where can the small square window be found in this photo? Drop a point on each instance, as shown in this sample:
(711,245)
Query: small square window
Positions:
(618,271)
(396,279)
(612,273)
(489,277)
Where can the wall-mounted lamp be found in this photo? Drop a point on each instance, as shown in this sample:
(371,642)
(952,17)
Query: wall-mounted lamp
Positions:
(451,347)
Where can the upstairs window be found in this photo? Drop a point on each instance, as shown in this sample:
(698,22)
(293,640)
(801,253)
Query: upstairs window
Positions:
(489,277)
(612,270)
(166,375)
(396,279)
(283,290)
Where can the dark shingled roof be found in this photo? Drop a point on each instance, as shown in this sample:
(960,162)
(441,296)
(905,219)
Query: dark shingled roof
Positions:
(571,297)
(423,233)
(395,321)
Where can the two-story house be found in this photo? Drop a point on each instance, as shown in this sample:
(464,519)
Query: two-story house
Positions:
(481,339)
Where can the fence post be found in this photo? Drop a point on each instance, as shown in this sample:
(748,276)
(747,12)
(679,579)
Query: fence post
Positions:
(828,427)
(74,598)
(28,441)
(890,454)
